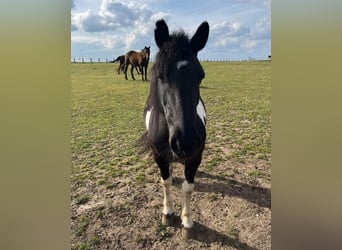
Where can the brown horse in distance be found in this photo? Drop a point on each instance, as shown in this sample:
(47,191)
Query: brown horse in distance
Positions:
(139,59)
(121,60)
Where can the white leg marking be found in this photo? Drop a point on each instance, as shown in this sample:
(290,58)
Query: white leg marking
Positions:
(186,211)
(201,111)
(171,169)
(181,64)
(147,118)
(167,208)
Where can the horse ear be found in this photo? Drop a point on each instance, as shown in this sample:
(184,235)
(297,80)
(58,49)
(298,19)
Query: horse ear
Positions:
(200,38)
(161,33)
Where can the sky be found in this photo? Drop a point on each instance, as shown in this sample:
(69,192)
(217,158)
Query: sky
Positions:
(105,29)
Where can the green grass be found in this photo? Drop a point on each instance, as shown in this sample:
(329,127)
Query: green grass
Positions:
(82,225)
(256,173)
(238,100)
(163,232)
(212,197)
(82,199)
(107,112)
(107,119)
(90,244)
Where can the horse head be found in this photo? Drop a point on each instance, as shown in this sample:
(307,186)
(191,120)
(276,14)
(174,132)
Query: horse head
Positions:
(178,74)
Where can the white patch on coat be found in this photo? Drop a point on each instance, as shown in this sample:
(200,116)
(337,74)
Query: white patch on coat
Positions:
(147,118)
(167,210)
(181,64)
(187,222)
(167,203)
(201,111)
(187,189)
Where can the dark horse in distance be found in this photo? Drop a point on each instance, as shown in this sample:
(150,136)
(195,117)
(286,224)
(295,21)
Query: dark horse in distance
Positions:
(137,59)
(121,60)
(175,115)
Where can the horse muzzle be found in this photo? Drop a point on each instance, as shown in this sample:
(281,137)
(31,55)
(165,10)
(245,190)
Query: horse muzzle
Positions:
(185,147)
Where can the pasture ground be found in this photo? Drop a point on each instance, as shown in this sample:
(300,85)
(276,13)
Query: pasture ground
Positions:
(116,196)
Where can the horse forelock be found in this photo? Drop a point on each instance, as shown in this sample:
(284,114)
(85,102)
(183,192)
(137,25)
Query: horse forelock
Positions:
(172,51)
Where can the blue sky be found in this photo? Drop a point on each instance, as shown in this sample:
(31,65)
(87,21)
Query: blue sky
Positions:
(239,29)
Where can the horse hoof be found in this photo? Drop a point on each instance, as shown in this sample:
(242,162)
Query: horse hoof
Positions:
(188,233)
(168,219)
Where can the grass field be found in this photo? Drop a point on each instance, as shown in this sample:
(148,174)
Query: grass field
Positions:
(116,194)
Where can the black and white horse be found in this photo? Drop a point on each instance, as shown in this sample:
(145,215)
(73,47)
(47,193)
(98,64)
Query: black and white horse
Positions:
(175,115)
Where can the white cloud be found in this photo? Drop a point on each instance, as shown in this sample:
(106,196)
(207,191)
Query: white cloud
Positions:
(250,44)
(73,27)
(225,34)
(267,3)
(227,41)
(160,15)
(121,25)
(89,21)
(130,38)
(262,29)
(114,15)
(235,34)
(118,14)
(107,42)
(233,29)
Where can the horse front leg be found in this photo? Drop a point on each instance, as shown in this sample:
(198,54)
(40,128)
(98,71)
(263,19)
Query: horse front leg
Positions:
(132,72)
(187,190)
(125,68)
(166,182)
(167,214)
(141,68)
(146,72)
